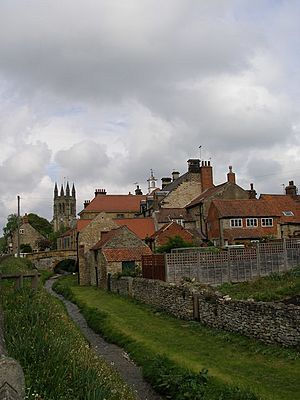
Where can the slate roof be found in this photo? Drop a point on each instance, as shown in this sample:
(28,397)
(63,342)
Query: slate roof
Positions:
(173,185)
(115,203)
(165,215)
(142,227)
(206,194)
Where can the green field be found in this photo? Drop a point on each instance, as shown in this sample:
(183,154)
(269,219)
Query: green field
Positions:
(268,371)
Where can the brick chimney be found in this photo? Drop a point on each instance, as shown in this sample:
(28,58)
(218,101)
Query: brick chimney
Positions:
(252,192)
(138,191)
(25,219)
(206,175)
(230,175)
(100,192)
(86,203)
(291,189)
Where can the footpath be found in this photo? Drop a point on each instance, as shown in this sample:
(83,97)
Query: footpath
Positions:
(131,373)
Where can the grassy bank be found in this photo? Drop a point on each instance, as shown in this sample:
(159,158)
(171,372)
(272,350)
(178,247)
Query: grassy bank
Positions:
(273,287)
(57,361)
(161,343)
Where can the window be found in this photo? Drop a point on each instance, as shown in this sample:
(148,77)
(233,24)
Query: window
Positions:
(236,223)
(120,215)
(288,213)
(21,231)
(267,222)
(128,267)
(251,222)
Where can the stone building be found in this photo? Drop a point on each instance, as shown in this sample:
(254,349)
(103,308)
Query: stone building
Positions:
(28,235)
(118,250)
(64,208)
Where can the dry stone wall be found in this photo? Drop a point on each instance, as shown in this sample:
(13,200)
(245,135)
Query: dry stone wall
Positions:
(272,323)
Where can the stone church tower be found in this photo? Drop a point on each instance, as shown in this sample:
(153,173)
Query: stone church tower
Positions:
(64,208)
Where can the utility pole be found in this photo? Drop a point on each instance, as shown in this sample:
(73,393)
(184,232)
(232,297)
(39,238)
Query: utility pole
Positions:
(18,236)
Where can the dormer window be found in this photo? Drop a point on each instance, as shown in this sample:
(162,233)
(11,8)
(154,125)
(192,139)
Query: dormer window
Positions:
(288,213)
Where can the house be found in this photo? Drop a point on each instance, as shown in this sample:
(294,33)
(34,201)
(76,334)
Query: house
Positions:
(198,208)
(170,230)
(117,251)
(27,234)
(243,221)
(114,205)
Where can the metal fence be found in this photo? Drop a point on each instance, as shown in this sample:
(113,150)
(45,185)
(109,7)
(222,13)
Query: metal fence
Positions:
(233,265)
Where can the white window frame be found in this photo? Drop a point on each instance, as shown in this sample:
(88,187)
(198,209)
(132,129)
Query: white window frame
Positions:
(267,222)
(236,223)
(21,231)
(252,222)
(287,213)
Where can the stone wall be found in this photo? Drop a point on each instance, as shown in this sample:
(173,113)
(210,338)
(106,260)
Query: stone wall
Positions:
(275,323)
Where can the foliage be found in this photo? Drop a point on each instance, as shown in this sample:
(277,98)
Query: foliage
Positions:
(11,225)
(3,245)
(25,248)
(55,235)
(174,242)
(238,366)
(270,288)
(57,361)
(13,264)
(41,224)
(44,244)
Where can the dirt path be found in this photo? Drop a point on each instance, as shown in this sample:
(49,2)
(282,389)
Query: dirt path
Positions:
(113,354)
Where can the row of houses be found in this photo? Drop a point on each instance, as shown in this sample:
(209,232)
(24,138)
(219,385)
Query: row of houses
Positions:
(114,231)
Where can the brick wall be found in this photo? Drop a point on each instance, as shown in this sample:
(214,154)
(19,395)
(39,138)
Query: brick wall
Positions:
(272,323)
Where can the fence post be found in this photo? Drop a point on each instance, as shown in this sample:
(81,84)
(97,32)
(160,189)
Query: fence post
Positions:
(285,259)
(258,259)
(19,282)
(228,267)
(35,281)
(195,307)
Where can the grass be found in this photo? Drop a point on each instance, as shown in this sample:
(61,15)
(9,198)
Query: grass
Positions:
(57,361)
(273,287)
(232,361)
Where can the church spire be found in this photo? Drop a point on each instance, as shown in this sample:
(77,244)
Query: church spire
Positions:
(55,190)
(73,191)
(62,190)
(67,189)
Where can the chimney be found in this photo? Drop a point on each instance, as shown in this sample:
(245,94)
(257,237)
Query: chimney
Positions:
(291,189)
(206,175)
(194,165)
(230,175)
(165,182)
(100,192)
(252,192)
(138,191)
(175,175)
(25,219)
(86,203)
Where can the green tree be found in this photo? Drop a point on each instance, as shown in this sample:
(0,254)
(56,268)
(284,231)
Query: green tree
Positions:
(25,248)
(41,224)
(174,242)
(11,225)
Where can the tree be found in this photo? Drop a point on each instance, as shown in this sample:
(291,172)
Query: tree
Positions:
(174,242)
(11,225)
(41,224)
(25,248)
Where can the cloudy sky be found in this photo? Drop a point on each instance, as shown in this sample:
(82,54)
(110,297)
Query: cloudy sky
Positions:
(98,92)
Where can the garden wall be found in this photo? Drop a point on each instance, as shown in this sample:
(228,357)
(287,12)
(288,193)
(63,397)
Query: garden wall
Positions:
(269,322)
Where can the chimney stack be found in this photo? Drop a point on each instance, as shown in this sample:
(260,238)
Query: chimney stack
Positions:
(194,165)
(291,189)
(25,219)
(206,175)
(138,191)
(252,192)
(175,175)
(230,175)
(165,182)
(100,192)
(86,203)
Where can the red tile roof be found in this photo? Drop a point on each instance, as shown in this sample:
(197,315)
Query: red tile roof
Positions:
(249,233)
(82,223)
(126,254)
(165,215)
(246,208)
(283,203)
(115,203)
(142,227)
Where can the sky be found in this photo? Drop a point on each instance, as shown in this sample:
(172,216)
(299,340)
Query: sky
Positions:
(98,92)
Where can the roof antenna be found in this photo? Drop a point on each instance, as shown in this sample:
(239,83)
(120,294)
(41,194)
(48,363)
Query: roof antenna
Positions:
(200,152)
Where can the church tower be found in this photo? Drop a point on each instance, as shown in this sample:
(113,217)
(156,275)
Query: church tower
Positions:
(64,207)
